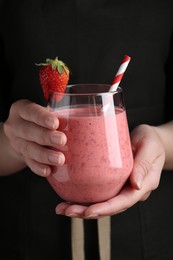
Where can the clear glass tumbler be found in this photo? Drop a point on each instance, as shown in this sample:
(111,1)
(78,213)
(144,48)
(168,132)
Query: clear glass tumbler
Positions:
(98,151)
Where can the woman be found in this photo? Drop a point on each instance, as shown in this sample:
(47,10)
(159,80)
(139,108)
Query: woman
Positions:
(91,37)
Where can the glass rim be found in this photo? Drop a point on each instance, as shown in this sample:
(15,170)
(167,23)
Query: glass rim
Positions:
(93,93)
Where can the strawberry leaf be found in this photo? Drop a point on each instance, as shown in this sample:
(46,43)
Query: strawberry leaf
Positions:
(60,68)
(54,66)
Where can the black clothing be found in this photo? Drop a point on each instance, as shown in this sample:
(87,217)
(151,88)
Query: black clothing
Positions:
(91,36)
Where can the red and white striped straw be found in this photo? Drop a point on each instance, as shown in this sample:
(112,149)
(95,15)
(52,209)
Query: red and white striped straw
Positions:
(116,81)
(120,73)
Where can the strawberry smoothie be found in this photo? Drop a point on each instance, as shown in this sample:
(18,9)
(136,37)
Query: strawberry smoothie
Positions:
(98,155)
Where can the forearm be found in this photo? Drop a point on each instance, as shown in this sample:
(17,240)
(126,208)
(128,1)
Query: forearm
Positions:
(165,133)
(9,161)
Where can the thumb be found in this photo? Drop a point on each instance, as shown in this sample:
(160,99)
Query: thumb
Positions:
(147,150)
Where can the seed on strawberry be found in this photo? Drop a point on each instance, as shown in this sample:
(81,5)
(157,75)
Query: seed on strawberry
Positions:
(53,76)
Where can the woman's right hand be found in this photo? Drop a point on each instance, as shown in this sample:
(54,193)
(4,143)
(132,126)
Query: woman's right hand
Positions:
(30,130)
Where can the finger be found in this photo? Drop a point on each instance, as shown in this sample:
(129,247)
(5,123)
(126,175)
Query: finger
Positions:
(70,210)
(76,211)
(143,166)
(38,168)
(35,113)
(60,208)
(35,133)
(147,152)
(126,199)
(145,197)
(39,153)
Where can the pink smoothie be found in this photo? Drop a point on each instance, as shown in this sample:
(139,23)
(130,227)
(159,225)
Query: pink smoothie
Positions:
(98,155)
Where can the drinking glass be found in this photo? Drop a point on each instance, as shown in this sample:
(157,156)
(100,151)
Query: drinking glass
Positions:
(98,150)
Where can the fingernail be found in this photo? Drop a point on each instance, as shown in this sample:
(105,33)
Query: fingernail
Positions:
(51,122)
(45,172)
(72,215)
(55,158)
(57,139)
(59,212)
(92,216)
(139,181)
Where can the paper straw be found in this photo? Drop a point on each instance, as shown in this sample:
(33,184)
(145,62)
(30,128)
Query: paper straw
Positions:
(120,73)
(116,81)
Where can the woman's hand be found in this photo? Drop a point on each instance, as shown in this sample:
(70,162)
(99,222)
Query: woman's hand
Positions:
(149,158)
(30,129)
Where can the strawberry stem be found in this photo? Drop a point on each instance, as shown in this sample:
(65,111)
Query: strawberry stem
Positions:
(56,64)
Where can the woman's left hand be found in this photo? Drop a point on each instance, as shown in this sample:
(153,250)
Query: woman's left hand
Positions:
(149,159)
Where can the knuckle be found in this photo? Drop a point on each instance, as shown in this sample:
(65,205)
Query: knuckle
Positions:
(6,128)
(37,116)
(44,136)
(25,149)
(145,165)
(24,129)
(34,167)
(32,151)
(40,155)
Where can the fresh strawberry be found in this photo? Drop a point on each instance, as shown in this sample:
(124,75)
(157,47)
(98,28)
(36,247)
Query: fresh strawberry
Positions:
(53,76)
